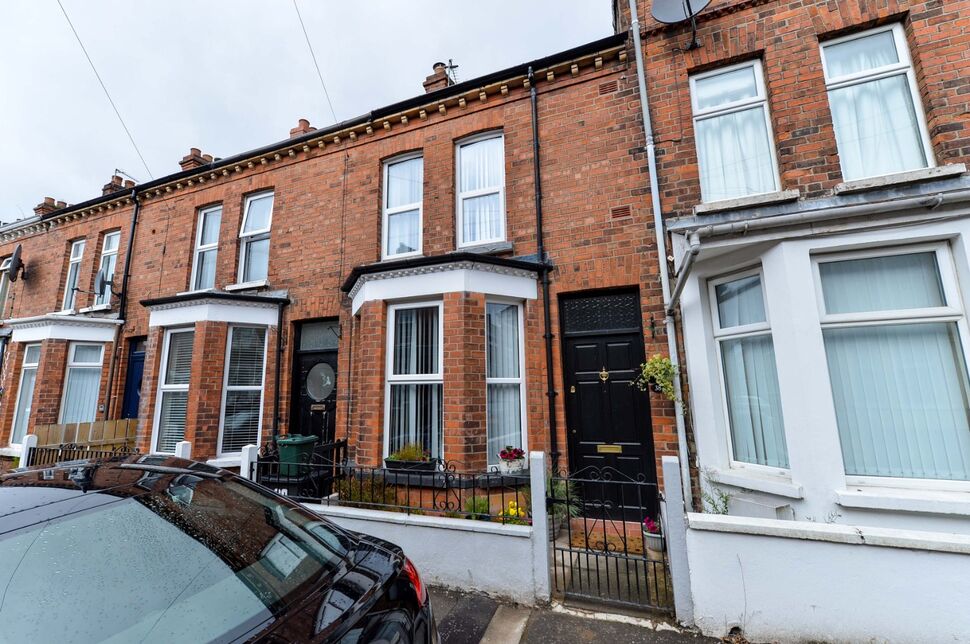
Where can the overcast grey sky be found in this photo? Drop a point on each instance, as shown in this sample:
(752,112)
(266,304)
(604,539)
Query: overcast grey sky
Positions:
(227,76)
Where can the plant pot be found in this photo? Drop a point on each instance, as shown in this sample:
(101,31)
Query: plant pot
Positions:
(511,467)
(410,466)
(555,527)
(653,546)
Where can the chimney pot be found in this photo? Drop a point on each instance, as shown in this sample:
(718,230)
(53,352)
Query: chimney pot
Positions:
(113,185)
(129,183)
(193,159)
(207,157)
(47,206)
(438,79)
(302,127)
(60,204)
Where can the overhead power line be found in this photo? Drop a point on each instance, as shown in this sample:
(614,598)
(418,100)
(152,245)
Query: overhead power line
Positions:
(106,93)
(315,64)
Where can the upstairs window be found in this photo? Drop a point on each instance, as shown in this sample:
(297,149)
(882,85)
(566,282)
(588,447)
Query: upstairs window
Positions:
(4,286)
(80,404)
(242,403)
(173,389)
(403,183)
(206,249)
(748,371)
(73,271)
(879,124)
(732,128)
(109,260)
(481,190)
(254,238)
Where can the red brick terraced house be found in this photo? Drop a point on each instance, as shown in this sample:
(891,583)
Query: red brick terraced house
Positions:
(396,278)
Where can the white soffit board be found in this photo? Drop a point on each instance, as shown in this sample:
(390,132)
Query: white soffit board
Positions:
(511,283)
(63,327)
(211,311)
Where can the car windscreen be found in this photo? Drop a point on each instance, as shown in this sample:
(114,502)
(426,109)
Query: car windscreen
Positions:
(195,560)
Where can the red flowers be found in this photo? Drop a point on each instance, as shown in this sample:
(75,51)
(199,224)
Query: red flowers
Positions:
(511,453)
(650,526)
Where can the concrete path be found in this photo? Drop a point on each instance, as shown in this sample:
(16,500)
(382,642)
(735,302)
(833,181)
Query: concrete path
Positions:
(469,618)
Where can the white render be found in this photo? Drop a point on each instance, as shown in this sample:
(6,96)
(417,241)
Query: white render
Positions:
(57,326)
(815,485)
(213,310)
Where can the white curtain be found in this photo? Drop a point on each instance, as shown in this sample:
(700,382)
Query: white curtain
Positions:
(901,400)
(415,417)
(754,402)
(482,173)
(891,282)
(740,302)
(81,394)
(24,401)
(876,125)
(416,341)
(735,155)
(403,230)
(504,405)
(257,258)
(404,182)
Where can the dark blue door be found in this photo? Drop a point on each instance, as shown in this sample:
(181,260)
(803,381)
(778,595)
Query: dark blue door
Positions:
(136,369)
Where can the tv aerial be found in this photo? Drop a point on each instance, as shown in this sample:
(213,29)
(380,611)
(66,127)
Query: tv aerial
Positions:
(673,12)
(16,268)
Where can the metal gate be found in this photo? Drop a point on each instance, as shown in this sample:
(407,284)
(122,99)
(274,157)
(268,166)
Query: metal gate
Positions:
(602,547)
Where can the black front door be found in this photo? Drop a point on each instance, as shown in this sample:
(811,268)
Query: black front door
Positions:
(315,380)
(607,418)
(133,379)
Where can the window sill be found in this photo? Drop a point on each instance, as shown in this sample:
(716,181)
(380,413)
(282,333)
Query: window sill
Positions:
(777,485)
(247,286)
(900,178)
(746,202)
(489,248)
(96,308)
(903,500)
(12,450)
(395,258)
(225,461)
(196,292)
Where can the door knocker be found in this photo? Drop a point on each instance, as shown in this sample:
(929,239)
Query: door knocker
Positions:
(604,375)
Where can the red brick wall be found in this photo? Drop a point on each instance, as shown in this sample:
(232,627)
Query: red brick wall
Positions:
(50,383)
(464,380)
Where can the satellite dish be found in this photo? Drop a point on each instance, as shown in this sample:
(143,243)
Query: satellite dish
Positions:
(16,265)
(672,12)
(101,283)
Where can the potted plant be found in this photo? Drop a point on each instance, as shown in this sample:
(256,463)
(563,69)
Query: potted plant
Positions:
(657,374)
(653,542)
(411,458)
(514,514)
(478,508)
(511,460)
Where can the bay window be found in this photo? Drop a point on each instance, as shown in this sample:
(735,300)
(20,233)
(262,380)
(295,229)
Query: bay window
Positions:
(403,187)
(503,377)
(732,128)
(80,404)
(254,238)
(748,371)
(481,189)
(879,124)
(25,392)
(206,249)
(242,396)
(173,390)
(894,333)
(109,260)
(414,378)
(73,272)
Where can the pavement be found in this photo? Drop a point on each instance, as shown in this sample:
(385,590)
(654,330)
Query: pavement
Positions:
(472,618)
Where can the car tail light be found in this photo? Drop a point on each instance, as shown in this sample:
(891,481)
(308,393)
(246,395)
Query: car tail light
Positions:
(412,574)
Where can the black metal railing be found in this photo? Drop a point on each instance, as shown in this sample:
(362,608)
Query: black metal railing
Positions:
(54,454)
(444,491)
(602,545)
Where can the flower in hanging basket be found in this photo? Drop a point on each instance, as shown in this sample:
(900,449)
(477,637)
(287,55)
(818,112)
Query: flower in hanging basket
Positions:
(650,526)
(511,454)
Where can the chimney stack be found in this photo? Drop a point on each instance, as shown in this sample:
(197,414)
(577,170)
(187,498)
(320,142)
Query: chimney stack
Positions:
(114,185)
(301,128)
(47,206)
(439,78)
(129,184)
(193,159)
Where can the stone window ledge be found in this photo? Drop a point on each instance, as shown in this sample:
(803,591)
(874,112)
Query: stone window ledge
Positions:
(225,461)
(746,202)
(777,485)
(900,178)
(247,286)
(491,248)
(905,500)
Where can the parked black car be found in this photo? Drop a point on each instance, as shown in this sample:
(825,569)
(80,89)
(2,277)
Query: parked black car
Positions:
(160,549)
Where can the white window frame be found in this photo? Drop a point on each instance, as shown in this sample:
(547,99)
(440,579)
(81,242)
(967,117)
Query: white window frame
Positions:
(4,285)
(520,380)
(200,248)
(106,254)
(387,212)
(951,312)
(23,367)
(162,387)
(461,196)
(904,66)
(761,99)
(71,362)
(69,300)
(390,378)
(226,388)
(734,333)
(246,238)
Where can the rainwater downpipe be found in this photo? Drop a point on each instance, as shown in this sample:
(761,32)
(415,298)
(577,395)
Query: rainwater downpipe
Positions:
(278,371)
(541,251)
(671,325)
(122,302)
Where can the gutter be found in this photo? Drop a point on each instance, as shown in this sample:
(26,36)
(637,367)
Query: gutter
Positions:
(671,325)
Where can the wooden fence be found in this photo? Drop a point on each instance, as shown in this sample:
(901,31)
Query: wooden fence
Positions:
(104,434)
